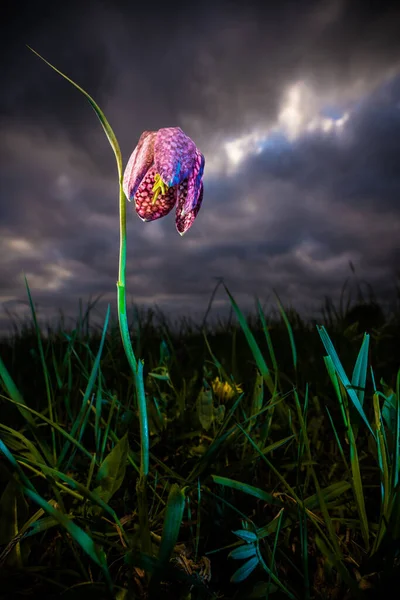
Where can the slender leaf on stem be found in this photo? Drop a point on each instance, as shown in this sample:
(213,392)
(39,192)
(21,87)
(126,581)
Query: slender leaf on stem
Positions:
(105,124)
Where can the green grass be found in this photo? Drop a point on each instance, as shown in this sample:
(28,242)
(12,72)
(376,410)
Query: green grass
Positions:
(274,457)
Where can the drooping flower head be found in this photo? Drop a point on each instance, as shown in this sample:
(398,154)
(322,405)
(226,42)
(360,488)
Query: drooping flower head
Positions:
(164,170)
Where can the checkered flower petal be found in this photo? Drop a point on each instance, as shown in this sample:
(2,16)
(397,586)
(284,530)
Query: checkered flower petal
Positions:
(194,182)
(139,163)
(184,220)
(145,208)
(174,155)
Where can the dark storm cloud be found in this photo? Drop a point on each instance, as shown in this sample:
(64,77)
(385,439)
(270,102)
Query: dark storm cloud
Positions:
(290,217)
(360,166)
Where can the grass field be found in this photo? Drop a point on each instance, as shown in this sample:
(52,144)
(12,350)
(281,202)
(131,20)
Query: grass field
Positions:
(273,458)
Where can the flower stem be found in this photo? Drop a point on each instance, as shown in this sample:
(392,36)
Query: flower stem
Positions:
(137,370)
(137,367)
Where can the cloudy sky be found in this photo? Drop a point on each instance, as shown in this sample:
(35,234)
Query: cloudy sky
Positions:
(296,109)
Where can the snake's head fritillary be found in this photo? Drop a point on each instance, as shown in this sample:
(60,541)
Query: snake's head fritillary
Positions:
(165,170)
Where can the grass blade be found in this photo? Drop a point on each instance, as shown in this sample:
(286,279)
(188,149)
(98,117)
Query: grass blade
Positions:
(258,357)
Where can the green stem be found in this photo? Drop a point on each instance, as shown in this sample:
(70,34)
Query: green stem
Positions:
(137,367)
(137,370)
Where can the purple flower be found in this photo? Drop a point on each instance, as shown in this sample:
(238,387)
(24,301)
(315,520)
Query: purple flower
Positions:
(164,170)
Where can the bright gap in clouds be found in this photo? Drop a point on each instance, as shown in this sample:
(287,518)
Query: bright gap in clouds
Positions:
(300,112)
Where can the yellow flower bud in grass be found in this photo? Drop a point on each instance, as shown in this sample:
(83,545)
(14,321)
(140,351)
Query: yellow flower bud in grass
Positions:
(225,390)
